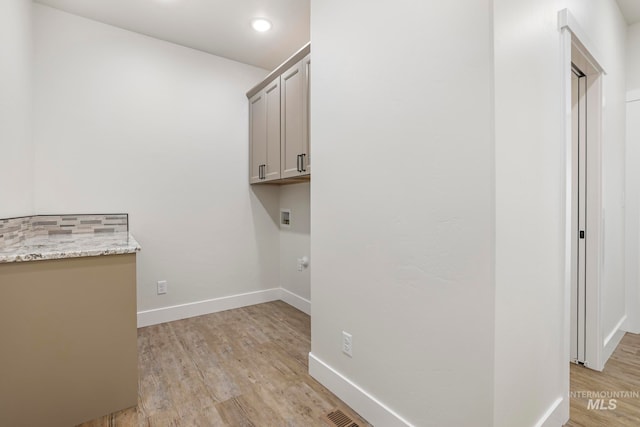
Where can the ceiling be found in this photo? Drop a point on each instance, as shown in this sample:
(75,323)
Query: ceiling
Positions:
(220,27)
(631,10)
(223,27)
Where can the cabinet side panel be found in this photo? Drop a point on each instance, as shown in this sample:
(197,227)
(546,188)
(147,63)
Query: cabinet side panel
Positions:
(69,340)
(306,116)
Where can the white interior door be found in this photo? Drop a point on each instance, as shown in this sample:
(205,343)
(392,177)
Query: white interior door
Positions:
(580,193)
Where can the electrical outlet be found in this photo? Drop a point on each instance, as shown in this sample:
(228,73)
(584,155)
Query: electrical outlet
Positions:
(162,287)
(347,344)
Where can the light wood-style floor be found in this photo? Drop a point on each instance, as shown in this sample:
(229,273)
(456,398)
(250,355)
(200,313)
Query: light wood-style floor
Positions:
(621,374)
(248,367)
(243,367)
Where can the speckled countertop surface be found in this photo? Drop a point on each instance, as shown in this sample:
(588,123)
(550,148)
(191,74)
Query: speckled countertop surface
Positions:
(69,246)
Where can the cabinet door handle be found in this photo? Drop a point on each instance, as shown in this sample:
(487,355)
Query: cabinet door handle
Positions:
(264,171)
(302,168)
(261,174)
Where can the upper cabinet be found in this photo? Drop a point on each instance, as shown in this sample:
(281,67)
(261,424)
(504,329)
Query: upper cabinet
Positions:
(279,148)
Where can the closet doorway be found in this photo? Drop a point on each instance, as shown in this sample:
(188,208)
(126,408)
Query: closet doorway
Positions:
(586,213)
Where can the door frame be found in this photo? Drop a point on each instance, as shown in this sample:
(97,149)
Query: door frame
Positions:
(577,48)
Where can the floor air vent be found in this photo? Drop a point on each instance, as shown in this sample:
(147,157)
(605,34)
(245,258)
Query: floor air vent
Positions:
(340,419)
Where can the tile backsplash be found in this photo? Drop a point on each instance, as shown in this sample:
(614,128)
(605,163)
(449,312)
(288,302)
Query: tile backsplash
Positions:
(15,230)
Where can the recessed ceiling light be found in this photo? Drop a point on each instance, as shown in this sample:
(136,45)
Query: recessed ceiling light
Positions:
(261,25)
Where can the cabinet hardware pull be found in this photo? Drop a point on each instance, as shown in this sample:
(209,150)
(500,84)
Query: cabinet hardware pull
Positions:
(302,168)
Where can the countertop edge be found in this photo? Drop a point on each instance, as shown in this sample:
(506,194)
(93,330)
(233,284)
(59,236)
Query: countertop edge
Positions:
(131,247)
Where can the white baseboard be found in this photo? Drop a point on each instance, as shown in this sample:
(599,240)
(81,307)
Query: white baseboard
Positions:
(554,417)
(613,339)
(199,308)
(374,411)
(631,327)
(302,304)
(183,311)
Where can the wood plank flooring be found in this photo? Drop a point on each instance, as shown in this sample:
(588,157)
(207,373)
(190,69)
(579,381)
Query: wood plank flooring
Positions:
(621,374)
(248,367)
(244,367)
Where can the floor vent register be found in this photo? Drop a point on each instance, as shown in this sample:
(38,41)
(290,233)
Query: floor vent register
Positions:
(338,418)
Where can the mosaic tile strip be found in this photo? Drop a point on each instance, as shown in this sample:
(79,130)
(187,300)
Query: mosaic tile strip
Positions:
(17,230)
(14,230)
(52,224)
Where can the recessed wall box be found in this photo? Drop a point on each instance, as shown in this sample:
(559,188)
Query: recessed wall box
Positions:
(285,218)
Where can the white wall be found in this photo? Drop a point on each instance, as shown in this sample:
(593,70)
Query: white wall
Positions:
(633,179)
(530,201)
(127,123)
(529,364)
(402,203)
(295,240)
(633,57)
(633,216)
(390,245)
(16,145)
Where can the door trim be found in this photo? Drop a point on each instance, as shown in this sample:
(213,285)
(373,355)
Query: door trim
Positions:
(577,47)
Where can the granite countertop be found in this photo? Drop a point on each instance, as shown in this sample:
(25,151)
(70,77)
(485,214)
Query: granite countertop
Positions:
(69,246)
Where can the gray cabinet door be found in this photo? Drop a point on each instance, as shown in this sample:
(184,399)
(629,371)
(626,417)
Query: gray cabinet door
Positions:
(294,139)
(264,134)
(257,136)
